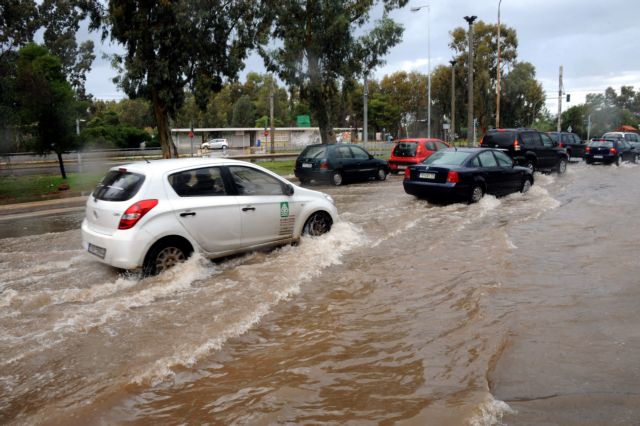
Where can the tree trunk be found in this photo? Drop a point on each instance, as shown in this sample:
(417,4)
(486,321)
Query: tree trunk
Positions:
(318,103)
(61,163)
(169,149)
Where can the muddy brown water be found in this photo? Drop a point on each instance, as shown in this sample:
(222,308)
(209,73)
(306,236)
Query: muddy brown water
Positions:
(521,310)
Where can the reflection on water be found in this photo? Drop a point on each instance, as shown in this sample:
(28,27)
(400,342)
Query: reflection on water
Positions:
(461,314)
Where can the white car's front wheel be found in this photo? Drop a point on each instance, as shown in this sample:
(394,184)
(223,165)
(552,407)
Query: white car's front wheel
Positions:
(318,223)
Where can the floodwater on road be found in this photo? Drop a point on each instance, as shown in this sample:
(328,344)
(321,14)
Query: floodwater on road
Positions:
(521,310)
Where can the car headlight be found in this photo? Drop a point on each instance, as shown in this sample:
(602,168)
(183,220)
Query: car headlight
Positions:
(330,198)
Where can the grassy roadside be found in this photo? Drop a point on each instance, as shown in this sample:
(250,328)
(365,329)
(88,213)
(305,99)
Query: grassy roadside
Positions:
(21,189)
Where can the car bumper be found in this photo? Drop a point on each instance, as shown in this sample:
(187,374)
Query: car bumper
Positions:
(313,174)
(123,249)
(396,166)
(598,158)
(437,191)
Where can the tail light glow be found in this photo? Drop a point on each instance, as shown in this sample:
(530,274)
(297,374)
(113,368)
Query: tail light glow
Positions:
(324,165)
(613,151)
(587,149)
(407,174)
(516,145)
(136,212)
(453,177)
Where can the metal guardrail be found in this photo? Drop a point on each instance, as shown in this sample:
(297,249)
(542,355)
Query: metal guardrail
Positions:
(30,160)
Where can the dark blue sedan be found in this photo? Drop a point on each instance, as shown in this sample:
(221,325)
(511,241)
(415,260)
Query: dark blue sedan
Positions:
(466,174)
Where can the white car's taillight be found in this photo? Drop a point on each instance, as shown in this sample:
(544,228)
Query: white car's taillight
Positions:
(136,212)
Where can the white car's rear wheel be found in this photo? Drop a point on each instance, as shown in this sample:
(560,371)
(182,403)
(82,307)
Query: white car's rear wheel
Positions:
(164,255)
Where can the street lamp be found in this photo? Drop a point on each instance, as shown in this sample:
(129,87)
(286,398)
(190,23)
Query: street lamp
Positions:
(452,132)
(470,127)
(498,74)
(415,9)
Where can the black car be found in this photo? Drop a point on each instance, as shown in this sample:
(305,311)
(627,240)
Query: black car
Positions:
(571,142)
(338,163)
(466,174)
(528,147)
(610,151)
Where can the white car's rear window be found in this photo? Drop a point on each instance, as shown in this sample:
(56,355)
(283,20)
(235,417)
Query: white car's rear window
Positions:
(118,185)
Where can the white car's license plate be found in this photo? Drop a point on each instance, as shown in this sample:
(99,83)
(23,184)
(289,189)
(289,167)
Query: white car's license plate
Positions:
(402,167)
(597,156)
(307,165)
(427,175)
(98,251)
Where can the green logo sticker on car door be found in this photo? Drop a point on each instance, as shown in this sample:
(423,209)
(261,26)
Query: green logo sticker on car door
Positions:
(284,209)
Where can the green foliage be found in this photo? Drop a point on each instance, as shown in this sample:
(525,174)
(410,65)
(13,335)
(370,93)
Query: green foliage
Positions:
(106,131)
(319,50)
(44,100)
(522,96)
(61,20)
(243,113)
(174,45)
(485,63)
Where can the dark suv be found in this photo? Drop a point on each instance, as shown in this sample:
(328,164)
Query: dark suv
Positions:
(529,148)
(338,163)
(571,142)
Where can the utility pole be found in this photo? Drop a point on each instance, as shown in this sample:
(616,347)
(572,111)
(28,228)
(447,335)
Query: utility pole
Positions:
(498,74)
(273,126)
(452,131)
(560,89)
(470,130)
(365,96)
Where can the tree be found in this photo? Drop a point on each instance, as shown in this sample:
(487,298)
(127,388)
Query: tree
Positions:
(319,52)
(485,62)
(523,96)
(244,114)
(61,20)
(45,102)
(181,44)
(408,91)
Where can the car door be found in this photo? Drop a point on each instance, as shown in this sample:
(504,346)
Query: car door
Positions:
(548,152)
(266,212)
(511,177)
(579,147)
(205,208)
(343,159)
(492,173)
(367,166)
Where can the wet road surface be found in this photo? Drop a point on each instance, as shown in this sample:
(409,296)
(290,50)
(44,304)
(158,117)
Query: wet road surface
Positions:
(521,309)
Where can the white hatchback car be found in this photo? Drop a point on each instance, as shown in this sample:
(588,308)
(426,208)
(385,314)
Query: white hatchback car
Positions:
(155,214)
(215,144)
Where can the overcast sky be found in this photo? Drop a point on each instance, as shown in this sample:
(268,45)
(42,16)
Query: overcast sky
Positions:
(597,43)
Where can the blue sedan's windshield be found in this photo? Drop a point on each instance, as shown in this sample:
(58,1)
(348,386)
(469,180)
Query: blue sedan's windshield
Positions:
(447,158)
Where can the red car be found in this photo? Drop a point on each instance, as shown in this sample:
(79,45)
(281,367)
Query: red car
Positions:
(408,152)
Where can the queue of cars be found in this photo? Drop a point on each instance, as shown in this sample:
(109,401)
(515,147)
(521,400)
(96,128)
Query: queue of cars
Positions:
(152,215)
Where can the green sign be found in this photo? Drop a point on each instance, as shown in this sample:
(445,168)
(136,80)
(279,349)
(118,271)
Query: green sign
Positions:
(284,209)
(303,121)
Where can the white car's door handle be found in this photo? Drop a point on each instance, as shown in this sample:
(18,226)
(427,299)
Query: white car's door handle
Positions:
(187,214)
(246,209)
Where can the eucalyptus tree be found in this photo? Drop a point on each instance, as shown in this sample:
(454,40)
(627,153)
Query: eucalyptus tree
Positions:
(315,48)
(178,45)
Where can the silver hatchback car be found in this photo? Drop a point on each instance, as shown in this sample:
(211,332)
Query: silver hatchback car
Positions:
(155,214)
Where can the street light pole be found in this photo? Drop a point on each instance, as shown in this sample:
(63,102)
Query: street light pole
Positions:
(498,74)
(470,127)
(415,9)
(452,131)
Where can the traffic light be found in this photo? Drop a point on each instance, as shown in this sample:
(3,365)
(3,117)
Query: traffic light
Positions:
(568,97)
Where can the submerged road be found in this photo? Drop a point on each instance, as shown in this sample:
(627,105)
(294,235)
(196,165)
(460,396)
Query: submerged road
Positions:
(521,309)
